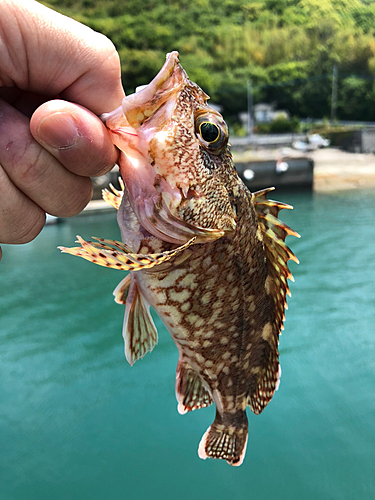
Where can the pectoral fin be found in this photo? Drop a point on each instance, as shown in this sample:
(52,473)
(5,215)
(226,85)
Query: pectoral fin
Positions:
(116,255)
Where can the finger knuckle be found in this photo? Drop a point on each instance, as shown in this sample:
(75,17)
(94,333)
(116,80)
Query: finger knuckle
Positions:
(77,199)
(106,45)
(31,165)
(28,228)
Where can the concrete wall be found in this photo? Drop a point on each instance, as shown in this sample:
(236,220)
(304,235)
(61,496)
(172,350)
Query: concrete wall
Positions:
(368,141)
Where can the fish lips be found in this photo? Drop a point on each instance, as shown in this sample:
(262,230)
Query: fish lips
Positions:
(136,108)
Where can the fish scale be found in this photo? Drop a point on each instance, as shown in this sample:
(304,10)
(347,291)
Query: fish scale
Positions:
(206,254)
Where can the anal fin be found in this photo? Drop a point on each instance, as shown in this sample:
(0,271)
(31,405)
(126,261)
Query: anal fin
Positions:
(139,331)
(190,392)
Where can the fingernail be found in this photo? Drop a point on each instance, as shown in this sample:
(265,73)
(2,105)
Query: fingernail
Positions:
(59,130)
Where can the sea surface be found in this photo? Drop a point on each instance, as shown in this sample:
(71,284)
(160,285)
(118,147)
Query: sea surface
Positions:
(77,422)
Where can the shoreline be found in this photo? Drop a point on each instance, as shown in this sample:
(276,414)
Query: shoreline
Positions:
(336,170)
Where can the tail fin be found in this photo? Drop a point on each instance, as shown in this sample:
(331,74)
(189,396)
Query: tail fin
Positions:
(226,441)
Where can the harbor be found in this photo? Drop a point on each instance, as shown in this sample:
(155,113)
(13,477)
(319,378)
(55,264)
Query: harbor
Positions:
(333,168)
(294,83)
(80,422)
(195,294)
(322,170)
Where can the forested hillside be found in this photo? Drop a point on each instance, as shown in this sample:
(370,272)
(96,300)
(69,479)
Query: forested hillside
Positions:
(286,47)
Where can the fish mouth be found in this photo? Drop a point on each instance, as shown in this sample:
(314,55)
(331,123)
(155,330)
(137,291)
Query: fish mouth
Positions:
(143,104)
(144,119)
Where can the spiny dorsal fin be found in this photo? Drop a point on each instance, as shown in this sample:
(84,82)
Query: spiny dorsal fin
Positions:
(101,252)
(190,392)
(114,198)
(274,232)
(139,332)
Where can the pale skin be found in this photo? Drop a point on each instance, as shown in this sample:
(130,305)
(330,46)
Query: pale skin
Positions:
(56,77)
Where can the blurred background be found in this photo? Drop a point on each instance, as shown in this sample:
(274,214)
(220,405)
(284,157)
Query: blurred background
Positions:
(76,421)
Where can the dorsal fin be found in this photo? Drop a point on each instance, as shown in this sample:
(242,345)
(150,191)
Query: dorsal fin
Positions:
(274,231)
(190,392)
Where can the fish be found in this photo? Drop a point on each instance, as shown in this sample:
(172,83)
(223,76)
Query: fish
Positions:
(203,251)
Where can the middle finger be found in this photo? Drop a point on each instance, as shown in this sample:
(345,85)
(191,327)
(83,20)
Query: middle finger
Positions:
(35,171)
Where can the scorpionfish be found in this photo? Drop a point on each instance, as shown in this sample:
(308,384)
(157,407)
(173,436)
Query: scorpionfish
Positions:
(203,251)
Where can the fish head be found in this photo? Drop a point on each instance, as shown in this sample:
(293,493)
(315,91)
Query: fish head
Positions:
(174,158)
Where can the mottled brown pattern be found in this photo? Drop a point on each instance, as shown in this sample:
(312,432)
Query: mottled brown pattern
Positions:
(222,274)
(203,251)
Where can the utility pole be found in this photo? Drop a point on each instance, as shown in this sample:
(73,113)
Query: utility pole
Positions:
(249,108)
(334,93)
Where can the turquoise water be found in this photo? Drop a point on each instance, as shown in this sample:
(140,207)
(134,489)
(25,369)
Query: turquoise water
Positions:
(77,422)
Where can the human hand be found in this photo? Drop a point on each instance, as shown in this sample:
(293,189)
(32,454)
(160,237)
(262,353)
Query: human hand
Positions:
(46,160)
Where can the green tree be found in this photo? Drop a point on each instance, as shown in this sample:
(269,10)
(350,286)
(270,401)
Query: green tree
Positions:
(286,47)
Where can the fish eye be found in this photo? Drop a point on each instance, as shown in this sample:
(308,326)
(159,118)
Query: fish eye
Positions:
(211,131)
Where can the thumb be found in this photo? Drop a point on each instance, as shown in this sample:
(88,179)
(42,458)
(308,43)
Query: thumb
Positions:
(74,136)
